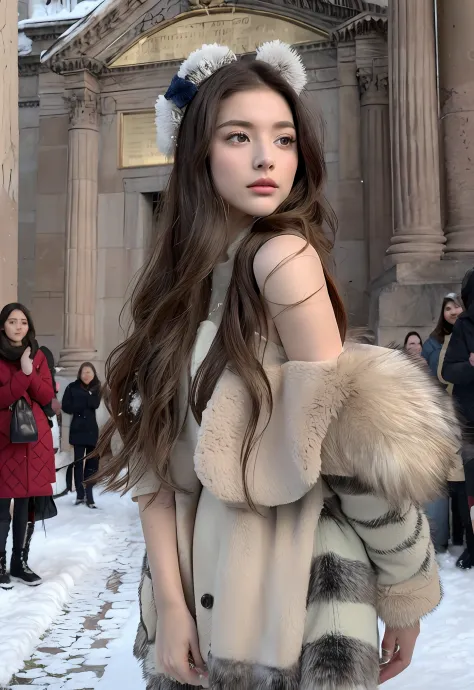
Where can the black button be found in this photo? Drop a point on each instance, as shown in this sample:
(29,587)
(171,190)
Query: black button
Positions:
(207,601)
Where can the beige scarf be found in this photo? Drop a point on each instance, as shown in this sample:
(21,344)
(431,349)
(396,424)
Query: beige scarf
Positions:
(442,355)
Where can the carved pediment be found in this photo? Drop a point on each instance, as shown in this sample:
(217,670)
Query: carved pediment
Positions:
(100,39)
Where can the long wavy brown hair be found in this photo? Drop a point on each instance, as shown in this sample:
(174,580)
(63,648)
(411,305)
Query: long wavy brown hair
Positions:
(172,294)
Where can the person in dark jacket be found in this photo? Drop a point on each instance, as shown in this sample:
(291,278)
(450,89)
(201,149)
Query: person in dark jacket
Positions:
(54,407)
(458,369)
(81,400)
(434,352)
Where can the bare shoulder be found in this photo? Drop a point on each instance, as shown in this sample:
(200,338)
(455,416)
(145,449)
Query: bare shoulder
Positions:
(291,260)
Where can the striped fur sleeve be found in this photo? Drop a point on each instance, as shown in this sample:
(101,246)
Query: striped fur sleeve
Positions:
(397,540)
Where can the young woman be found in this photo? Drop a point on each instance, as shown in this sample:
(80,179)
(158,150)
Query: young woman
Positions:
(438,341)
(278,479)
(413,343)
(26,469)
(81,400)
(434,351)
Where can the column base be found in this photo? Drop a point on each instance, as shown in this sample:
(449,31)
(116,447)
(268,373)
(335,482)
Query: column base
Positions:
(408,297)
(459,256)
(70,360)
(414,248)
(459,242)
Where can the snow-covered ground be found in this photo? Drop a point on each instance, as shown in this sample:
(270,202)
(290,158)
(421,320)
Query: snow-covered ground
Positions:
(444,655)
(76,631)
(90,562)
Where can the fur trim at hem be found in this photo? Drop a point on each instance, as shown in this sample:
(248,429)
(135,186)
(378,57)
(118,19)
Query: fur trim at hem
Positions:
(334,662)
(404,604)
(338,662)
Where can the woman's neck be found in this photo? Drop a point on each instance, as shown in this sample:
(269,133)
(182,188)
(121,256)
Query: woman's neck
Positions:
(237,222)
(235,227)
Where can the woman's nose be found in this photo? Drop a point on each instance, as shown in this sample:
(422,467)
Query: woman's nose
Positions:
(264,163)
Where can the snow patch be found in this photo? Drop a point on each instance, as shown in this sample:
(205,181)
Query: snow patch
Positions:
(24,44)
(42,13)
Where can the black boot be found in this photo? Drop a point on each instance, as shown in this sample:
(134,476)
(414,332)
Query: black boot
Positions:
(464,561)
(19,568)
(5,582)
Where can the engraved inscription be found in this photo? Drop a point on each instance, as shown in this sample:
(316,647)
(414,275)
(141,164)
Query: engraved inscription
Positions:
(241,31)
(138,141)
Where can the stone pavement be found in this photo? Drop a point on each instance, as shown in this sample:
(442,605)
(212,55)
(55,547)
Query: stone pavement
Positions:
(74,653)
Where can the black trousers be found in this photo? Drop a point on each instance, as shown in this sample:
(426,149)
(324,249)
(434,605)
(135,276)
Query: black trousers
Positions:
(84,471)
(459,495)
(20,522)
(469,472)
(69,471)
(457,524)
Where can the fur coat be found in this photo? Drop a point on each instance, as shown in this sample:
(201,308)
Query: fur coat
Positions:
(288,597)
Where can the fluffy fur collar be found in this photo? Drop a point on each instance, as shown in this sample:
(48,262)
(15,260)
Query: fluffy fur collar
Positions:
(372,413)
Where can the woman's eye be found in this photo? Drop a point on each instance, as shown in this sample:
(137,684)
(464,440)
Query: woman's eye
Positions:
(239,138)
(286,141)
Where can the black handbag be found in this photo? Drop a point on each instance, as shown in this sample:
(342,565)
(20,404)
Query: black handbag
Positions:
(23,427)
(45,508)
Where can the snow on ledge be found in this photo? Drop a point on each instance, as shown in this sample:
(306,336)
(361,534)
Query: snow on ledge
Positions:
(24,44)
(41,13)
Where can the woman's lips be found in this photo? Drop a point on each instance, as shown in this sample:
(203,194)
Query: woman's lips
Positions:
(263,190)
(264,186)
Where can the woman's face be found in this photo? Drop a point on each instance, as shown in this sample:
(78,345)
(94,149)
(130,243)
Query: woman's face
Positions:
(413,345)
(254,154)
(451,312)
(87,375)
(16,327)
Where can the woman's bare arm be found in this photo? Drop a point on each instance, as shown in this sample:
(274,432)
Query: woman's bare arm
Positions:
(308,331)
(176,638)
(159,528)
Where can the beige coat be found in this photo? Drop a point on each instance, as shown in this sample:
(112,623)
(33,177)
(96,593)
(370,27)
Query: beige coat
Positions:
(288,598)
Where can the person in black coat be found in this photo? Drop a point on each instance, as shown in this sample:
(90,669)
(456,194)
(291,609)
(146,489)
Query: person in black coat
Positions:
(81,400)
(458,369)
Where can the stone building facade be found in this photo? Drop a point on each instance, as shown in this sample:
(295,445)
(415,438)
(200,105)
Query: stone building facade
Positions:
(90,173)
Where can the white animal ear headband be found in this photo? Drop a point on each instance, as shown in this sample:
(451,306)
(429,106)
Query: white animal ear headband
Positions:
(200,65)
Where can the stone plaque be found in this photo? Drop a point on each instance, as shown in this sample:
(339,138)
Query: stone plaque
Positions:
(243,32)
(138,146)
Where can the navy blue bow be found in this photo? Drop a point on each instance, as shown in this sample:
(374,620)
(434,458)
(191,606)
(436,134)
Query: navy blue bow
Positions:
(181,91)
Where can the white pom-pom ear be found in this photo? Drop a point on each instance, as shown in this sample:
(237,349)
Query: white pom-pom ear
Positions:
(204,61)
(286,61)
(167,120)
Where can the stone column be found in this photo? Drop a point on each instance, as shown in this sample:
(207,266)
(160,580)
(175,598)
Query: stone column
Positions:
(418,233)
(456,73)
(375,144)
(82,200)
(9,152)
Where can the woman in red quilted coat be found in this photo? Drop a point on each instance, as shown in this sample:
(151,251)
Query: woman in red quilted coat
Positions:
(26,469)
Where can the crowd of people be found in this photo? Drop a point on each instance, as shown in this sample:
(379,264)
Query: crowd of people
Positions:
(449,354)
(28,406)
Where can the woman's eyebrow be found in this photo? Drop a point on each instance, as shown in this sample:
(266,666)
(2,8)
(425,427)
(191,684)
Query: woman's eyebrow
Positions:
(249,125)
